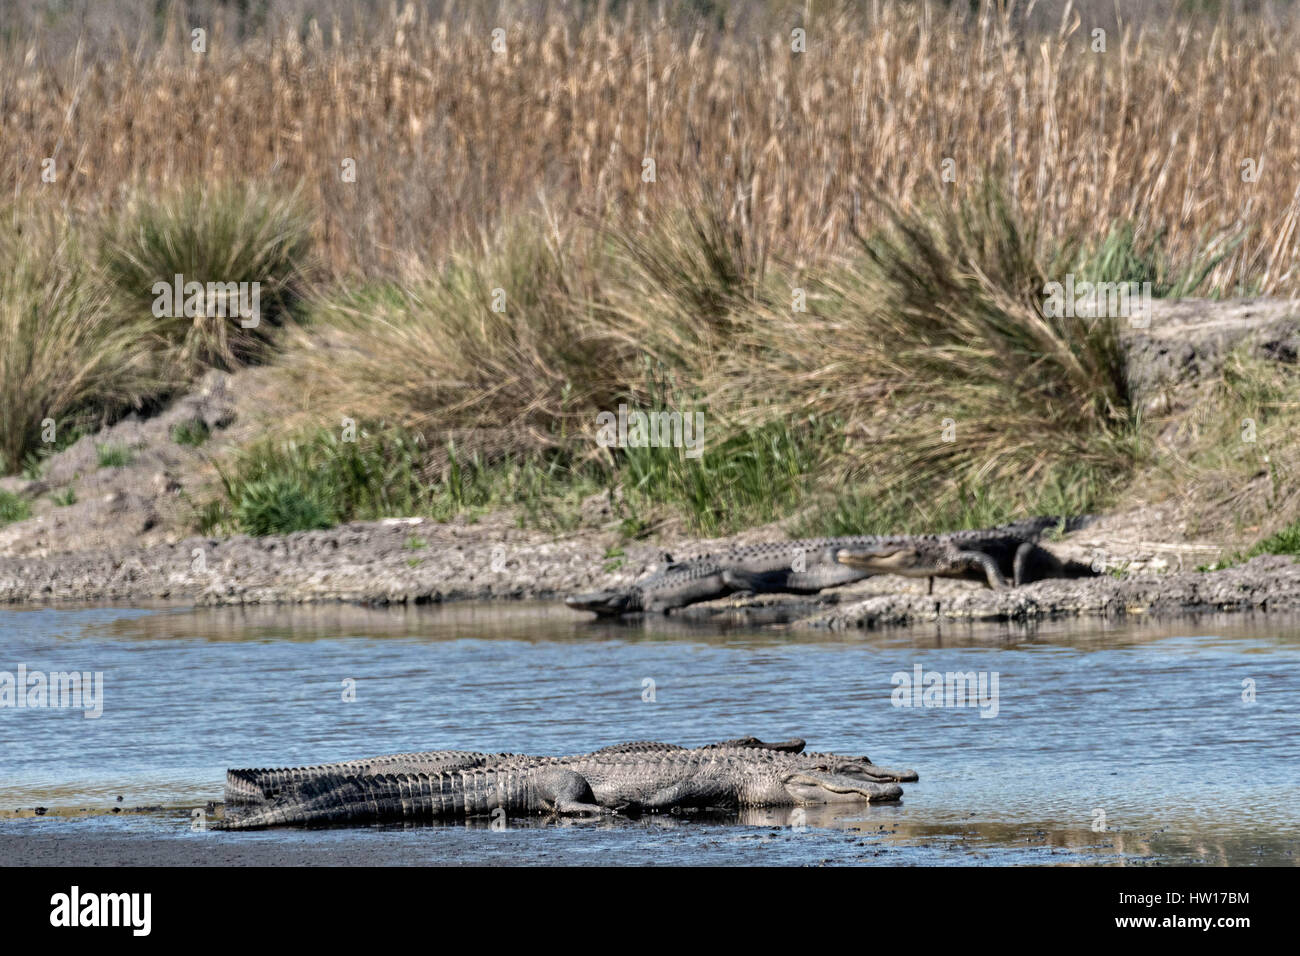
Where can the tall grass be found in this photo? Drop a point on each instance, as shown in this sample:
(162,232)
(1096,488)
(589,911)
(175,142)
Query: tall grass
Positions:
(66,361)
(498,338)
(450,139)
(934,347)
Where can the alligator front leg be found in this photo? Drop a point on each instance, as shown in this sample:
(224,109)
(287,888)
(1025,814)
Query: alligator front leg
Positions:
(982,563)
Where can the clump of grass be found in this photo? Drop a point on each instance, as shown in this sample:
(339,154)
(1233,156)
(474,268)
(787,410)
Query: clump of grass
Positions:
(1121,255)
(318,480)
(935,350)
(13,508)
(219,236)
(191,433)
(1286,541)
(280,504)
(66,359)
(64,498)
(499,338)
(113,455)
(682,286)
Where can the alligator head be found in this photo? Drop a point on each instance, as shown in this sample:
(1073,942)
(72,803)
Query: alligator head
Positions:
(605,603)
(817,786)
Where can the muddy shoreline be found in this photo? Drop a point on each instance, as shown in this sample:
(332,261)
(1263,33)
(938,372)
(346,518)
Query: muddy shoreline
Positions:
(417,561)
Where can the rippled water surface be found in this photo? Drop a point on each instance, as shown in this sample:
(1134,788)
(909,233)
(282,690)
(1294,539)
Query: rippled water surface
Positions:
(1128,744)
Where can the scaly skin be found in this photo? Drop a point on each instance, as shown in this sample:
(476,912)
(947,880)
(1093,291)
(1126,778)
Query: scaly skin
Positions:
(806,566)
(648,779)
(255,785)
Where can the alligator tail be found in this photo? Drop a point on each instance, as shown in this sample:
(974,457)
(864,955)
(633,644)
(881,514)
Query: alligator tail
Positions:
(400,797)
(1047,524)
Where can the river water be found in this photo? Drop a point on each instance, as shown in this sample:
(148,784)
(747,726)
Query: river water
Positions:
(1154,742)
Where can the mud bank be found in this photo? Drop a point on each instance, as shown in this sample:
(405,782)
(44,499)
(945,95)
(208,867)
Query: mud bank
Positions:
(414,561)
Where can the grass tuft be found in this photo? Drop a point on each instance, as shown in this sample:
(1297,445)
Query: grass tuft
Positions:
(13,508)
(113,455)
(192,433)
(280,504)
(215,236)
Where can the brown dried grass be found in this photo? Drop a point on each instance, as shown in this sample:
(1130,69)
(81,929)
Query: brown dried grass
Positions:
(449,138)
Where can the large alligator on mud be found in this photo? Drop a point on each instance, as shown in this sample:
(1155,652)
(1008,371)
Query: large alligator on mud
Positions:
(998,557)
(626,778)
(265,783)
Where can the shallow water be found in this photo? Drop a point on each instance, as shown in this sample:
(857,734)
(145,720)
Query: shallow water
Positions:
(1141,727)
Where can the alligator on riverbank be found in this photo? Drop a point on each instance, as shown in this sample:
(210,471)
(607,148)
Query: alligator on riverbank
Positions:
(626,778)
(997,557)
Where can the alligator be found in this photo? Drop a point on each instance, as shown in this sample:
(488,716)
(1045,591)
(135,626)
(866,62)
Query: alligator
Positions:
(993,556)
(256,785)
(627,778)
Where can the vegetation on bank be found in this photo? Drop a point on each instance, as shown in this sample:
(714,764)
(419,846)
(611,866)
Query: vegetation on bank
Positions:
(867,353)
(916,382)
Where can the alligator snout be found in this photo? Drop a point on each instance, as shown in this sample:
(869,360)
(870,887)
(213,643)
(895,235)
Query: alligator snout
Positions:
(815,787)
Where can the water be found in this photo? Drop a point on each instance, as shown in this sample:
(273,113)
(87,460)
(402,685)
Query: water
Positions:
(1142,727)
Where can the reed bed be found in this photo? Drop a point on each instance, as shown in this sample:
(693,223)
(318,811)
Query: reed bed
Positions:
(449,138)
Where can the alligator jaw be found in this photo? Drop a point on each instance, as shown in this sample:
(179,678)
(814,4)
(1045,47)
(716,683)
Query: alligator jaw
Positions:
(904,561)
(819,787)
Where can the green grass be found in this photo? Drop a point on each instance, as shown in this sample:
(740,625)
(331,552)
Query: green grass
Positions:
(1286,541)
(64,498)
(316,479)
(192,433)
(1120,256)
(281,504)
(13,508)
(744,477)
(113,455)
